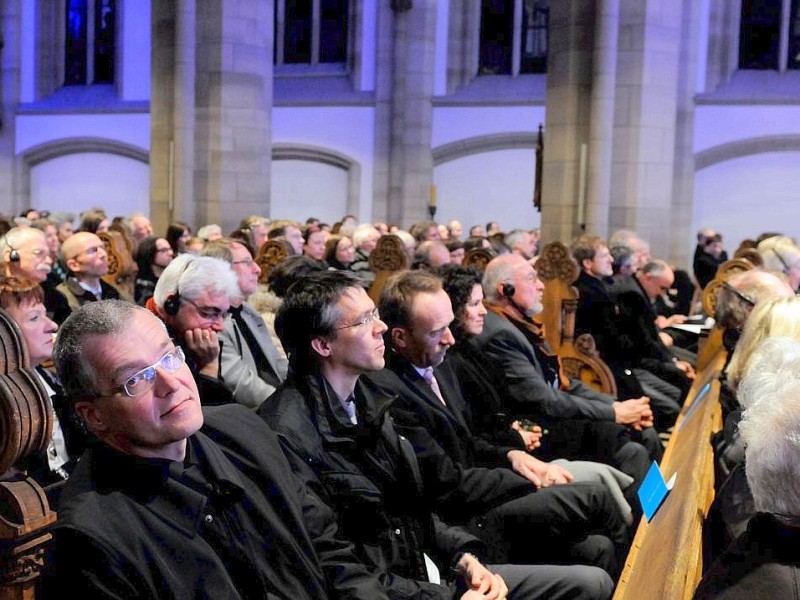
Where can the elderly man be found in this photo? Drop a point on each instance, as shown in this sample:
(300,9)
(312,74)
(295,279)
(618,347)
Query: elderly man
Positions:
(643,344)
(581,421)
(87,261)
(521,242)
(334,428)
(252,367)
(25,254)
(365,238)
(176,501)
(140,227)
(455,230)
(192,297)
(430,254)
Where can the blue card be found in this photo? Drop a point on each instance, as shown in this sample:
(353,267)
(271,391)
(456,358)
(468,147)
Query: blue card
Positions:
(653,490)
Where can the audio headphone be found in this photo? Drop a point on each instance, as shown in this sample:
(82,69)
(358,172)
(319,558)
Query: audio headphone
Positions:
(508,289)
(783,262)
(172,304)
(13,256)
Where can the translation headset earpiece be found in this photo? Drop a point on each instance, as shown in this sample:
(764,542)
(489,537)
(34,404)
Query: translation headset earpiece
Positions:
(13,256)
(173,302)
(783,262)
(508,289)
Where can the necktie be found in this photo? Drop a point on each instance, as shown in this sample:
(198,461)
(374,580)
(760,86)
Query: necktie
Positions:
(431,379)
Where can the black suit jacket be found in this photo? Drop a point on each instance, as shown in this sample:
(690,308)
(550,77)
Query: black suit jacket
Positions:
(637,324)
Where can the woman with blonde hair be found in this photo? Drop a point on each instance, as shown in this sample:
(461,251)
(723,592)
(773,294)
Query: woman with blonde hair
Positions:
(779,317)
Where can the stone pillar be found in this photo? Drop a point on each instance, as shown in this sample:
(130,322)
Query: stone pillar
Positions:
(404,113)
(568,116)
(10,65)
(646,105)
(211,106)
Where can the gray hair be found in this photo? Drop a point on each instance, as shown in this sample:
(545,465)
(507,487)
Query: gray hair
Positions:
(108,317)
(770,426)
(362,232)
(16,237)
(514,236)
(191,276)
(207,230)
(655,267)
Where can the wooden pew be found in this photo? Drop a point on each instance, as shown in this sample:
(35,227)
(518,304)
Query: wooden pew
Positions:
(26,424)
(388,257)
(579,357)
(122,269)
(665,560)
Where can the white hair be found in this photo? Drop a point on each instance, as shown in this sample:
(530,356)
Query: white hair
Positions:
(770,426)
(191,276)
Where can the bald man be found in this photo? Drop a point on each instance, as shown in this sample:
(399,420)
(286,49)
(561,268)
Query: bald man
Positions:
(86,258)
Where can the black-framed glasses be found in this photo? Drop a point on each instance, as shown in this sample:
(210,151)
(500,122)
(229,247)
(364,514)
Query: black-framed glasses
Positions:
(209,313)
(142,381)
(363,322)
(249,262)
(743,297)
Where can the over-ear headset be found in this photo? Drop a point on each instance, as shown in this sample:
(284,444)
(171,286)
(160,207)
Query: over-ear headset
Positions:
(13,256)
(508,289)
(172,304)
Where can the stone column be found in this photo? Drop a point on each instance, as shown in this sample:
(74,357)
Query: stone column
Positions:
(211,105)
(646,105)
(568,117)
(404,113)
(11,186)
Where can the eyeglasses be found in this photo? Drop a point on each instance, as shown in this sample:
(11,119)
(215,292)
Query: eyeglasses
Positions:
(743,297)
(167,249)
(92,251)
(365,321)
(209,313)
(249,262)
(144,380)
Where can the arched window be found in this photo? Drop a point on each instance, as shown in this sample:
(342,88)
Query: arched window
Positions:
(513,37)
(311,32)
(769,37)
(89,42)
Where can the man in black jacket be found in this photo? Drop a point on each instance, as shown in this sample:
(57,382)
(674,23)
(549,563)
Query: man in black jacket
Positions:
(334,426)
(162,508)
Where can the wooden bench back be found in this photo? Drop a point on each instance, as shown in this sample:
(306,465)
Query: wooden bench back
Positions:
(666,558)
(26,424)
(388,257)
(712,344)
(579,357)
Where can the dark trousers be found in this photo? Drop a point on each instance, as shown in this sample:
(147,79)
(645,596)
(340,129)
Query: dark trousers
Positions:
(562,524)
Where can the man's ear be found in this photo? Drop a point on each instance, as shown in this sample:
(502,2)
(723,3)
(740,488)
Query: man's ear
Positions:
(91,416)
(73,265)
(586,263)
(398,337)
(321,346)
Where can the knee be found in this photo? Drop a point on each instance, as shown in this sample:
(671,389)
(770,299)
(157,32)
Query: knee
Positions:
(592,583)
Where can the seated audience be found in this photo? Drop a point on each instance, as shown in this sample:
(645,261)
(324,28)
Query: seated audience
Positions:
(340,441)
(152,256)
(289,232)
(708,256)
(251,365)
(581,421)
(764,561)
(431,412)
(194,501)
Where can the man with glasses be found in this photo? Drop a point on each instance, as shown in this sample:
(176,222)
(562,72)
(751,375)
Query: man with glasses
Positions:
(334,427)
(85,256)
(178,501)
(252,367)
(192,297)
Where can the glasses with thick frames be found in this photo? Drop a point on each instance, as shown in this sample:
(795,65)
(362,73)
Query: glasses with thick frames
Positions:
(142,381)
(209,313)
(363,322)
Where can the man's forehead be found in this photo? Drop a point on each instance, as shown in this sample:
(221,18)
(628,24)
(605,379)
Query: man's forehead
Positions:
(429,308)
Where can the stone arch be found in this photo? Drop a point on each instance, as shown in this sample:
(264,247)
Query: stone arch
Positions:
(483,143)
(50,150)
(325,156)
(747,147)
